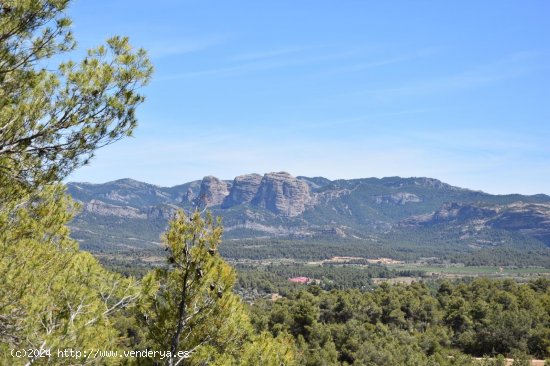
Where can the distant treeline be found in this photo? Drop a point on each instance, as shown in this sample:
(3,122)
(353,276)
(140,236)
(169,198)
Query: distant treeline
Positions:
(392,245)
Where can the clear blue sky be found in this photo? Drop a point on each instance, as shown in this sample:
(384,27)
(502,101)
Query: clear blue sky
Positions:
(455,90)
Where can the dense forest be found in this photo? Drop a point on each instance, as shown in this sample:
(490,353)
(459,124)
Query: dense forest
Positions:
(410,246)
(413,324)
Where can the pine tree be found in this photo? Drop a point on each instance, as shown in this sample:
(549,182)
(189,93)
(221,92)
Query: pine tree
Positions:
(52,121)
(189,306)
(53,296)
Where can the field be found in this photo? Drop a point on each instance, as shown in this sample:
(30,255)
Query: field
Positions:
(472,271)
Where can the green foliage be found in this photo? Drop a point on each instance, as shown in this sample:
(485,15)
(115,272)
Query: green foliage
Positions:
(407,245)
(414,324)
(521,359)
(52,295)
(189,305)
(274,278)
(52,121)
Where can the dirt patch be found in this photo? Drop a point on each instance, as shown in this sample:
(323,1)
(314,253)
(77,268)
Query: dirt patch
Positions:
(384,261)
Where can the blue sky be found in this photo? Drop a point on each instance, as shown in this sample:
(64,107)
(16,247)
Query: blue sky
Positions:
(455,90)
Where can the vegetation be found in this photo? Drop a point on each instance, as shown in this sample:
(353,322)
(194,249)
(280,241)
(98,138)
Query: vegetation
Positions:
(53,297)
(274,278)
(189,305)
(407,246)
(413,324)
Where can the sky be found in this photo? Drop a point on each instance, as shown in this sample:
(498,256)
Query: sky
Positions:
(453,90)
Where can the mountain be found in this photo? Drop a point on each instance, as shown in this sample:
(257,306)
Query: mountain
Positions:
(531,219)
(127,214)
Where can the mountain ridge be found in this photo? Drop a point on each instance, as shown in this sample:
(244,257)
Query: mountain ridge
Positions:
(279,204)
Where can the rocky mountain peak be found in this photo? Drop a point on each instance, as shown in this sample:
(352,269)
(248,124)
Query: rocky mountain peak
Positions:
(463,212)
(282,194)
(213,191)
(275,204)
(243,190)
(129,182)
(431,183)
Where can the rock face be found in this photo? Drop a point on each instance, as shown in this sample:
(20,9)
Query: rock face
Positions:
(315,182)
(279,204)
(105,209)
(463,212)
(282,194)
(529,219)
(399,198)
(431,182)
(532,219)
(164,212)
(243,190)
(189,195)
(213,191)
(452,212)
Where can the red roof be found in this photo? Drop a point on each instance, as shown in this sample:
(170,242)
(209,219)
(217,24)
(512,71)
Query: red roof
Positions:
(300,279)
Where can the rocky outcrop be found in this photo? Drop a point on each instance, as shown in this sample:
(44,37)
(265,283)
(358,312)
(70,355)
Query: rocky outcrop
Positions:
(162,212)
(105,209)
(463,212)
(279,204)
(282,194)
(531,219)
(213,191)
(452,212)
(431,183)
(243,190)
(399,198)
(189,195)
(315,182)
